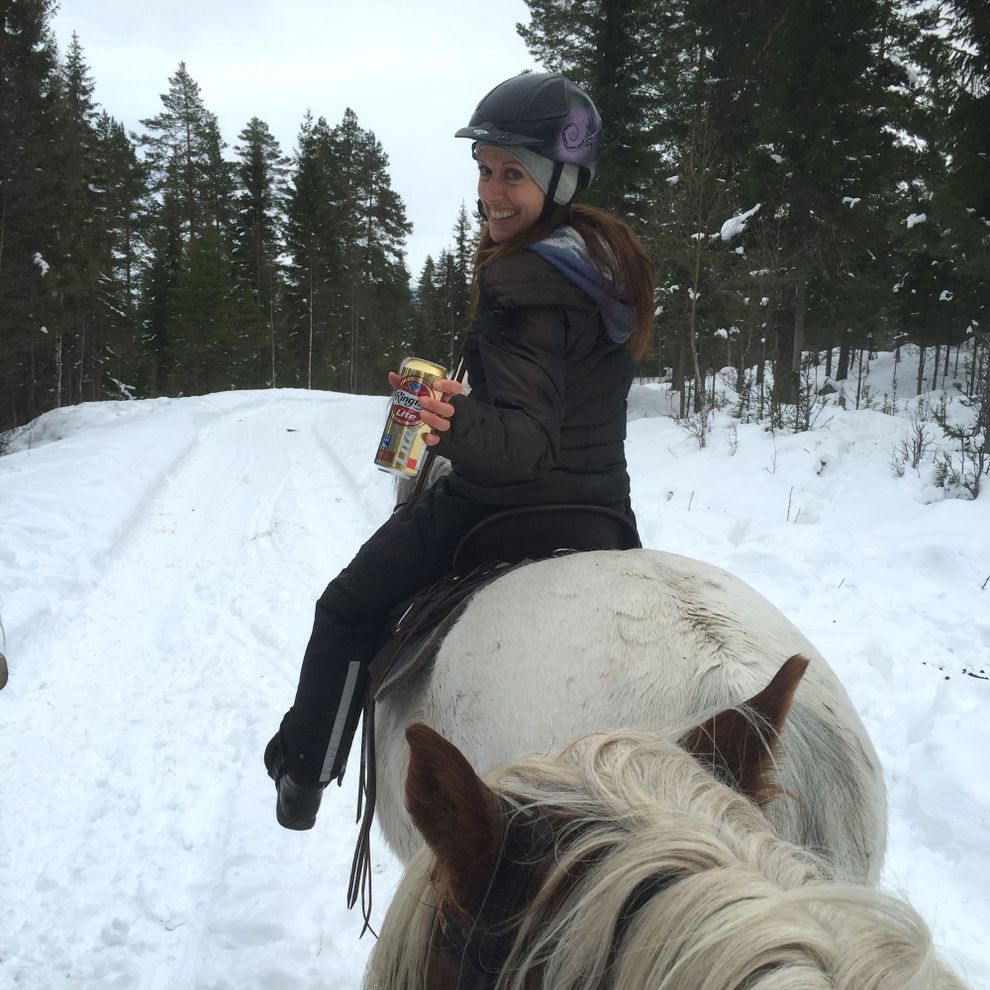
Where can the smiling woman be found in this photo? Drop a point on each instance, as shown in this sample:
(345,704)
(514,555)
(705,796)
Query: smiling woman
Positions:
(563,306)
(512,202)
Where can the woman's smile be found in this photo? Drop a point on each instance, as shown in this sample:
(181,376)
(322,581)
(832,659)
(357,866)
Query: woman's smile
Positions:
(512,201)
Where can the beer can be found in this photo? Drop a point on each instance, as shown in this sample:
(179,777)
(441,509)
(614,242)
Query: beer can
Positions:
(403,442)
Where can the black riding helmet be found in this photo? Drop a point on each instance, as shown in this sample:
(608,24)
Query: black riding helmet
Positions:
(547,114)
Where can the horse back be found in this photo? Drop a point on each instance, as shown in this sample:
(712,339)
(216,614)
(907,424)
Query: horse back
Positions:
(639,639)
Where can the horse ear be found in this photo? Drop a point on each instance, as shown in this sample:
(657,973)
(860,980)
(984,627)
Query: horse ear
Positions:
(738,748)
(457,814)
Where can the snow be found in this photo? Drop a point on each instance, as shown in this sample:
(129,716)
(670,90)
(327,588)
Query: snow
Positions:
(159,561)
(734,226)
(914,219)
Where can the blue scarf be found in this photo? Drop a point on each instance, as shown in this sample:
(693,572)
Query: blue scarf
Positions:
(566,251)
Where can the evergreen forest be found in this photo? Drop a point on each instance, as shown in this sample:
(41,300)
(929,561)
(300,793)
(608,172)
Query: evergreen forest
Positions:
(811,178)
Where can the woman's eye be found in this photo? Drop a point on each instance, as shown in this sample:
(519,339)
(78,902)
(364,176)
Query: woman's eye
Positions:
(513,175)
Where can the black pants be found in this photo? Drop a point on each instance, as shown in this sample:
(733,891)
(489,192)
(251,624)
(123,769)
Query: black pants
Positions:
(413,548)
(410,550)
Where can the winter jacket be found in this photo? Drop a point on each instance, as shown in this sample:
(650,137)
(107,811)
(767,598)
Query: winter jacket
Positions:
(545,420)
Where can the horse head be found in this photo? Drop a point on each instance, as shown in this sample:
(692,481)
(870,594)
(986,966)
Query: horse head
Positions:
(631,862)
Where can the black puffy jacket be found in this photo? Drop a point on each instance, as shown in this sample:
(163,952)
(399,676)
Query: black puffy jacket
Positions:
(545,420)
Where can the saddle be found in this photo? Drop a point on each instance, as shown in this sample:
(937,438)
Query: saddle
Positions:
(497,545)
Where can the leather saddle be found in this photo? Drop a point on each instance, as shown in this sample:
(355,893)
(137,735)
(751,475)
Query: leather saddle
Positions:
(540,531)
(489,550)
(499,543)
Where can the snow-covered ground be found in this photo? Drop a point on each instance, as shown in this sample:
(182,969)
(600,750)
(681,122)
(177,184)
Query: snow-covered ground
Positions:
(159,561)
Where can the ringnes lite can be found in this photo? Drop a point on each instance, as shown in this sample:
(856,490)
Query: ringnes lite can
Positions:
(403,442)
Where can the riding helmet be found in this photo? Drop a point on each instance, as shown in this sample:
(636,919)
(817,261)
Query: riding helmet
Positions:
(544,112)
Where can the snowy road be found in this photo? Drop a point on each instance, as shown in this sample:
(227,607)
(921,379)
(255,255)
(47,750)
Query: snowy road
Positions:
(158,566)
(143,818)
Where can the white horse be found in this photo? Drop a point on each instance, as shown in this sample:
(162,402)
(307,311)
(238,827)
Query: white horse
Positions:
(636,640)
(624,864)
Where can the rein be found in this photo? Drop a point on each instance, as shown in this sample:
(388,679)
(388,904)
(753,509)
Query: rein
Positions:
(425,613)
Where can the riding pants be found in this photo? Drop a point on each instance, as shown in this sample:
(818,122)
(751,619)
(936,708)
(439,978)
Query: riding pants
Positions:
(412,549)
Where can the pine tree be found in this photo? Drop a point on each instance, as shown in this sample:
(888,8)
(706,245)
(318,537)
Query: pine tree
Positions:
(121,202)
(426,334)
(958,186)
(81,344)
(261,199)
(28,210)
(358,229)
(192,190)
(370,282)
(310,244)
(207,350)
(462,255)
(612,48)
(181,148)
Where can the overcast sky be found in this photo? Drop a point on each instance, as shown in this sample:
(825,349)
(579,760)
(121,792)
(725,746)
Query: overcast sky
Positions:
(412,71)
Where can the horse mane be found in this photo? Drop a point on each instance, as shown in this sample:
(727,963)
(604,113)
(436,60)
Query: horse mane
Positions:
(662,878)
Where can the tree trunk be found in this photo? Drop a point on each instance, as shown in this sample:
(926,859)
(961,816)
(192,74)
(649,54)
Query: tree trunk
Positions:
(309,365)
(842,370)
(800,304)
(82,359)
(58,371)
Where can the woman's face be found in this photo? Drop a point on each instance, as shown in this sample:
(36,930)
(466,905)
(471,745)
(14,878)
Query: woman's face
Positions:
(513,202)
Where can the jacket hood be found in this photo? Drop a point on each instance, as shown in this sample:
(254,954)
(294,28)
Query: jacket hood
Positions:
(567,252)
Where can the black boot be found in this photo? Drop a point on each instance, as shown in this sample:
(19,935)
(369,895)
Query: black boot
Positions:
(296,804)
(313,742)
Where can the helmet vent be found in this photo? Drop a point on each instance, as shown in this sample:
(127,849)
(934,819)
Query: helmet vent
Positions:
(547,102)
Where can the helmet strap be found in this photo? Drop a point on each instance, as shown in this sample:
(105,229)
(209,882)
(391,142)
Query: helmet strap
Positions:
(549,203)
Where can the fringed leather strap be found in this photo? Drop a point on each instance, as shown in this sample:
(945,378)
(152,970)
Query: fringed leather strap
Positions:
(423,611)
(359,885)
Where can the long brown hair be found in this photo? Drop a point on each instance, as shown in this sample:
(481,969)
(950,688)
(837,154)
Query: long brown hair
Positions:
(614,249)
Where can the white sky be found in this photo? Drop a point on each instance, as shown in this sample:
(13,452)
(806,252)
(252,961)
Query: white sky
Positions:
(412,71)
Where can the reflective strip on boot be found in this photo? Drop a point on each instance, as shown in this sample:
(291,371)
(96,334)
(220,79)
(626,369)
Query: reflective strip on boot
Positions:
(344,707)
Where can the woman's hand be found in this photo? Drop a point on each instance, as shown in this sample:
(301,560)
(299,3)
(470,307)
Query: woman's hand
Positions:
(436,413)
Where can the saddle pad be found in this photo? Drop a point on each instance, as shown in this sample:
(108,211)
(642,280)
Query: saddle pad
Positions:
(423,625)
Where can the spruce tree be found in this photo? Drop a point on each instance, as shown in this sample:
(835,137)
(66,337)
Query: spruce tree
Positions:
(309,241)
(120,189)
(262,190)
(372,302)
(192,192)
(612,49)
(181,148)
(426,334)
(208,350)
(28,210)
(81,345)
(958,187)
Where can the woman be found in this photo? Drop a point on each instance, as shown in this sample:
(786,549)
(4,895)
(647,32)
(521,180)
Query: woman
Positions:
(563,305)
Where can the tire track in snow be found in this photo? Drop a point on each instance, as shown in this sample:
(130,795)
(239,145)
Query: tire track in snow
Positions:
(140,743)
